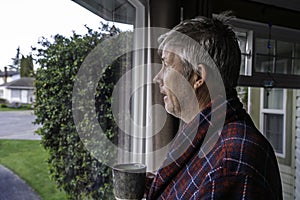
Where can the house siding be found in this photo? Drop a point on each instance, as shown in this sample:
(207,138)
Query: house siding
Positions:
(287,179)
(297,151)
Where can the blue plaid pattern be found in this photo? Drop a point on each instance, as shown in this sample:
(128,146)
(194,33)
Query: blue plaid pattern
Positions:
(240,165)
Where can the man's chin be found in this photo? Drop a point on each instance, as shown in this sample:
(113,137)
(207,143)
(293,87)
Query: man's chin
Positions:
(172,111)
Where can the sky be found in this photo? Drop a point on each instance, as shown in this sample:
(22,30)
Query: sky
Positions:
(22,23)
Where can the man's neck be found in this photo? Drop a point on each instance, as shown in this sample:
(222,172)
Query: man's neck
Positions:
(192,111)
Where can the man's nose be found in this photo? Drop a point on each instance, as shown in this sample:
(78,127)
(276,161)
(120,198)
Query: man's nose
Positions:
(157,79)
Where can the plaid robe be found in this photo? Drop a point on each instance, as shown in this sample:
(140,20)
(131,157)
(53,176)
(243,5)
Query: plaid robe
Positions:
(240,165)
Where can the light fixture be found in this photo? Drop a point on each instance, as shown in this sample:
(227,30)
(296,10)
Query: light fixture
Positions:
(269,84)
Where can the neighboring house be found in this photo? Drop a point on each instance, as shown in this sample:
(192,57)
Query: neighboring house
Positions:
(11,76)
(20,90)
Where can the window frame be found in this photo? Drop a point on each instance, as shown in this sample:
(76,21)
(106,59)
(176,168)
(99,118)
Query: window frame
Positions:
(282,111)
(248,62)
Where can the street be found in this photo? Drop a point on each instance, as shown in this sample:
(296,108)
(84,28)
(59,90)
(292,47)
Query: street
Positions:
(18,125)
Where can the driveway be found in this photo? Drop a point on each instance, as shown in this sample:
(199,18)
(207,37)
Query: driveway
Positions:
(18,125)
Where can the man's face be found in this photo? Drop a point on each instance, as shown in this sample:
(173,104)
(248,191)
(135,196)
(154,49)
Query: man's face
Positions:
(170,80)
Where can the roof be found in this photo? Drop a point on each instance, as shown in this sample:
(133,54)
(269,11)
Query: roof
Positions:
(9,73)
(25,82)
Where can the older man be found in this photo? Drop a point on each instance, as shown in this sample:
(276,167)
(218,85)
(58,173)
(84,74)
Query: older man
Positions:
(218,153)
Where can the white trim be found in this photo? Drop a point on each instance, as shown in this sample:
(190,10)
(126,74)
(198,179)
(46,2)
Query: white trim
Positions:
(248,50)
(261,29)
(249,99)
(20,87)
(149,159)
(139,104)
(275,111)
(1,93)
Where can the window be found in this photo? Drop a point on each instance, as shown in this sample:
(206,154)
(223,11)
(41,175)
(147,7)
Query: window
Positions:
(297,59)
(269,55)
(273,118)
(16,94)
(245,39)
(1,93)
(276,56)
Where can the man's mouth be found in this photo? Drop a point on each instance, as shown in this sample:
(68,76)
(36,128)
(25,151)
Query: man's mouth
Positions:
(164,94)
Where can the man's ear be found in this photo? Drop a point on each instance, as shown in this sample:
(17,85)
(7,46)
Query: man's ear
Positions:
(199,80)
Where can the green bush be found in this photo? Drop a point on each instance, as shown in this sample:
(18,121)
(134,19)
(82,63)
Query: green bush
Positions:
(27,106)
(3,106)
(71,165)
(3,101)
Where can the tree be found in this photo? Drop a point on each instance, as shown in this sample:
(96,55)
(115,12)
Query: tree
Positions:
(71,165)
(26,66)
(16,61)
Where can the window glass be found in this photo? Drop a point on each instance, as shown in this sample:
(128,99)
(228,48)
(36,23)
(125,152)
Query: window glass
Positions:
(15,93)
(297,51)
(273,116)
(273,99)
(273,129)
(242,39)
(284,49)
(297,66)
(283,66)
(243,66)
(1,93)
(280,59)
(262,46)
(264,63)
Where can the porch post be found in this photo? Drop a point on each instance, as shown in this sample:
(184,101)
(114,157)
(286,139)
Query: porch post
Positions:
(194,8)
(164,14)
(167,14)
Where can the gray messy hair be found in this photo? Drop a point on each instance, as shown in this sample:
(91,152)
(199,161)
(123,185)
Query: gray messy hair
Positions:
(196,38)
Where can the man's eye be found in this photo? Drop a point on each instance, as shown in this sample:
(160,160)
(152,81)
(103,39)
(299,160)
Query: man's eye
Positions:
(164,65)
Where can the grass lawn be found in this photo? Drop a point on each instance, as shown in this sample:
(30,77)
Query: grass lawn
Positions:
(13,109)
(27,159)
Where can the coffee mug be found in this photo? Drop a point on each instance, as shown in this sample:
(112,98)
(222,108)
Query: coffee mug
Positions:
(129,181)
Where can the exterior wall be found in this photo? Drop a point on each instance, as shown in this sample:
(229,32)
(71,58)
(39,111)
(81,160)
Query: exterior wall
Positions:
(287,164)
(254,96)
(297,154)
(1,92)
(25,96)
(287,178)
(6,93)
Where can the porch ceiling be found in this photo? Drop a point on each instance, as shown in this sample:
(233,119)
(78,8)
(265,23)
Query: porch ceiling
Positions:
(288,4)
(111,10)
